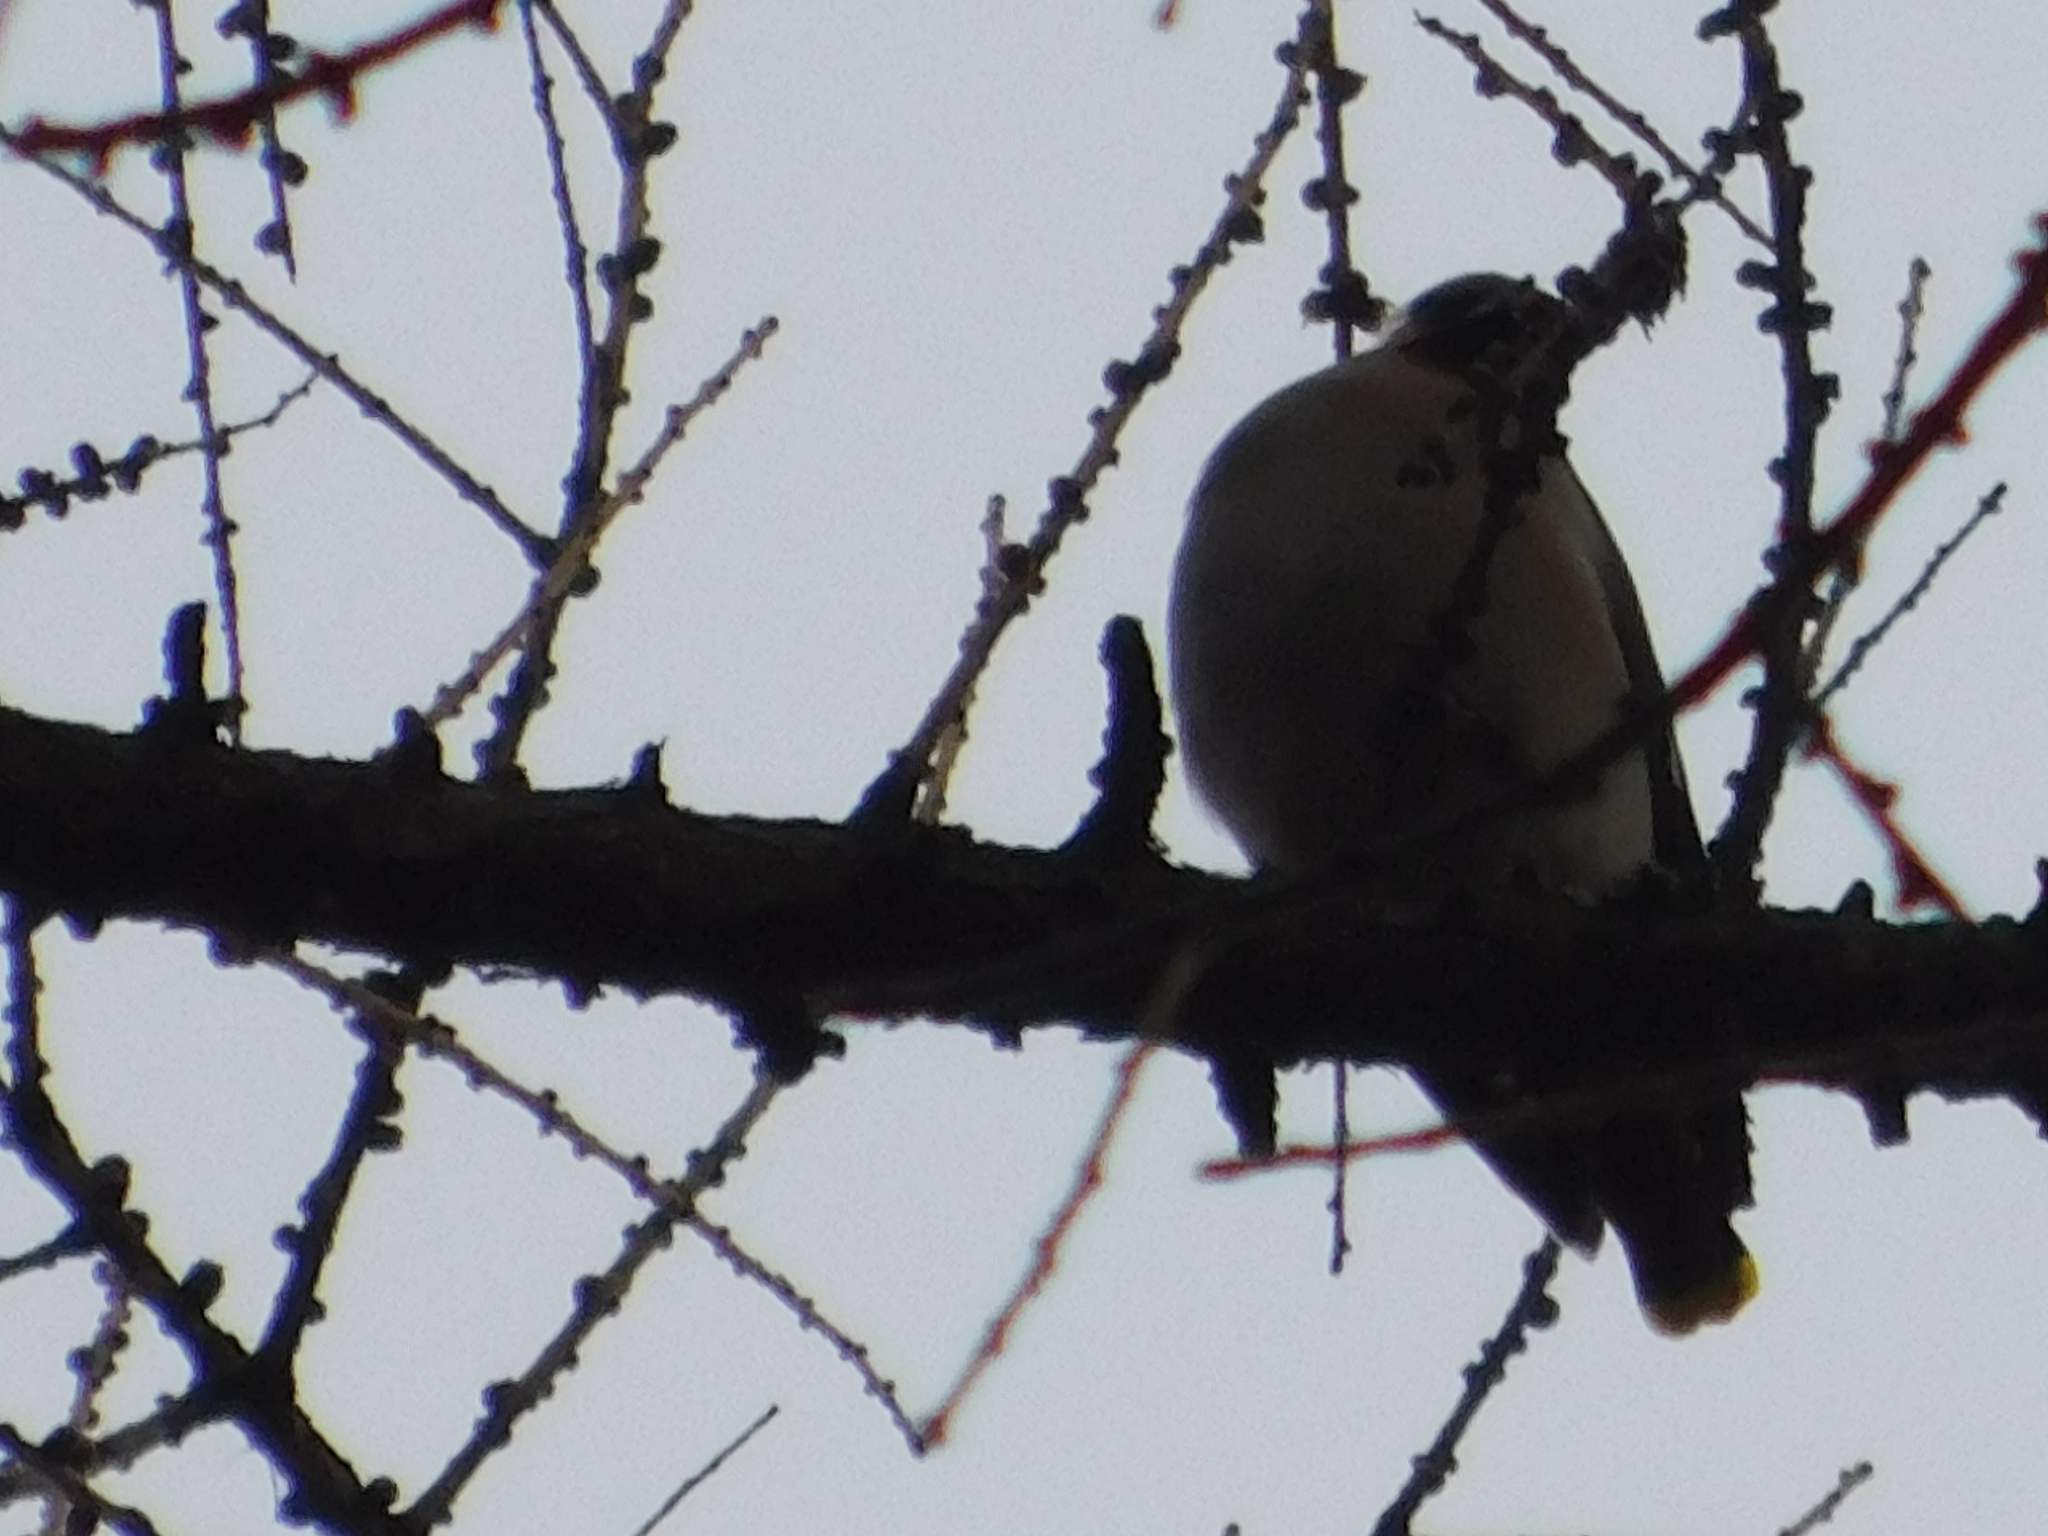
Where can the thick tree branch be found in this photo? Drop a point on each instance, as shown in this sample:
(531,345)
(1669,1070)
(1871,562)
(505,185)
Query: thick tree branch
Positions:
(614,887)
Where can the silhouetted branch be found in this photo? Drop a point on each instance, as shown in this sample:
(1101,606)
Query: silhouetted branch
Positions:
(1851,1479)
(1859,649)
(894,791)
(1703,187)
(605,887)
(182,230)
(1779,708)
(1572,142)
(318,1481)
(1345,300)
(1533,1308)
(327,365)
(596,1297)
(697,1478)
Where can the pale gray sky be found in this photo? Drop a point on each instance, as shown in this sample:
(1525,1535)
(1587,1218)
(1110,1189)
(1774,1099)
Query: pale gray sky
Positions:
(960,213)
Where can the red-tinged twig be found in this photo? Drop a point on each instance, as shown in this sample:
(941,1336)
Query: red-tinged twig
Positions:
(1706,187)
(1045,1251)
(1936,424)
(1428,1139)
(894,792)
(1919,885)
(232,119)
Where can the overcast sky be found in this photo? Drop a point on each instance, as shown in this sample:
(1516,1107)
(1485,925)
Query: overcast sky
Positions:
(960,213)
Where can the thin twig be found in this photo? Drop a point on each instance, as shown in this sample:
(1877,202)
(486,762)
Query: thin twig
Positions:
(573,558)
(1533,1308)
(1345,299)
(575,257)
(537,548)
(268,50)
(1340,1163)
(636,140)
(166,1424)
(1911,310)
(94,1366)
(68,1244)
(183,233)
(691,1483)
(1705,188)
(997,552)
(1987,505)
(320,1484)
(365,1127)
(1045,1253)
(1572,143)
(601,95)
(94,477)
(1848,574)
(805,1311)
(596,1298)
(1850,1480)
(436,1039)
(1128,383)
(1779,707)
(1169,992)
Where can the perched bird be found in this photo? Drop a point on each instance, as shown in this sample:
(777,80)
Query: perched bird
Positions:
(1369,630)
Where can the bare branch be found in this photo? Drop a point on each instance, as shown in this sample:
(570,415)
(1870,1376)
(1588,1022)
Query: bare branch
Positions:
(1860,649)
(183,232)
(1572,143)
(327,365)
(695,1479)
(596,1298)
(894,792)
(572,560)
(1705,187)
(1533,1308)
(1851,1479)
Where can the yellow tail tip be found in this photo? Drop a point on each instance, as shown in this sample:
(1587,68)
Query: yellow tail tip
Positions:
(1715,1302)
